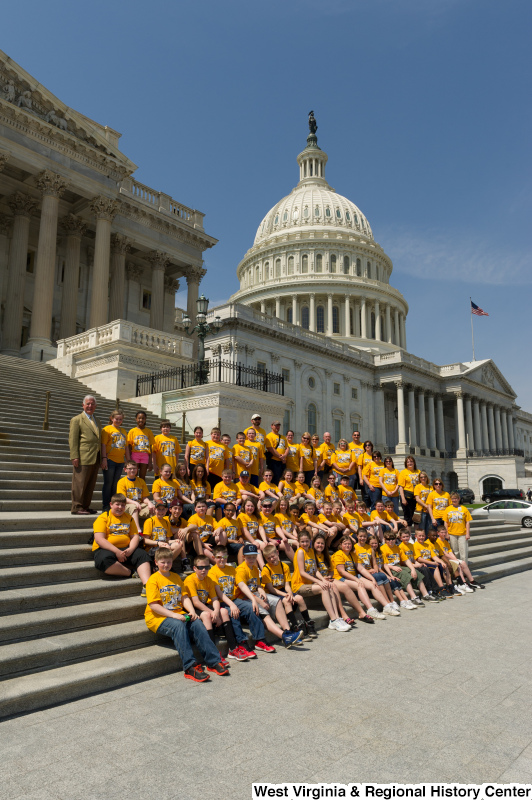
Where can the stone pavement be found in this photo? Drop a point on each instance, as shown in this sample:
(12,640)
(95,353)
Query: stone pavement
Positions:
(441,694)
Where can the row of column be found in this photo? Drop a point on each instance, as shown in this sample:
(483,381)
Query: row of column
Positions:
(481,426)
(109,260)
(384,330)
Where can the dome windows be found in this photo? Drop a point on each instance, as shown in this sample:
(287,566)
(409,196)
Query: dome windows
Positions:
(346,265)
(306,212)
(304,263)
(348,216)
(276,220)
(305,318)
(338,214)
(317,211)
(312,417)
(285,216)
(333,263)
(277,267)
(266,270)
(312,382)
(328,212)
(319,263)
(295,214)
(291,265)
(336,320)
(359,268)
(320,319)
(289,314)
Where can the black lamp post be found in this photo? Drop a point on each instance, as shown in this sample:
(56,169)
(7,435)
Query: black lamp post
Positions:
(202,328)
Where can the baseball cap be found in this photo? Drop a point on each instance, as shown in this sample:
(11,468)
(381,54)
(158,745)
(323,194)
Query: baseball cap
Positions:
(250,550)
(245,473)
(256,416)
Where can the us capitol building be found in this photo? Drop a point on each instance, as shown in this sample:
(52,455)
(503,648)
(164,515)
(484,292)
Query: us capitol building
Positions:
(91,259)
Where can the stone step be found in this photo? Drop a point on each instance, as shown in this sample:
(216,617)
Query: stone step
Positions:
(41,485)
(41,575)
(37,494)
(53,651)
(64,540)
(45,523)
(502,570)
(479,562)
(27,598)
(10,470)
(512,540)
(51,621)
(47,505)
(20,557)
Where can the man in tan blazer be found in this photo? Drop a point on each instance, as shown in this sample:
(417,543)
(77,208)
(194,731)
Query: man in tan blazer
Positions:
(84,441)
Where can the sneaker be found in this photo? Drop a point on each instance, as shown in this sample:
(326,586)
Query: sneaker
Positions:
(411,606)
(448,592)
(396,606)
(475,585)
(430,598)
(407,605)
(265,648)
(219,669)
(459,589)
(455,591)
(186,566)
(197,674)
(418,601)
(237,654)
(372,612)
(390,611)
(290,638)
(143,593)
(224,662)
(341,625)
(467,588)
(311,630)
(439,594)
(245,652)
(302,626)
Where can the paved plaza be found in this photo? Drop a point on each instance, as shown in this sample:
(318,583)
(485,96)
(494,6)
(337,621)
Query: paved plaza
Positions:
(441,694)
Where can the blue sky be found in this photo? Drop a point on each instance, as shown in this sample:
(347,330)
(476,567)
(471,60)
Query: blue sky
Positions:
(423,107)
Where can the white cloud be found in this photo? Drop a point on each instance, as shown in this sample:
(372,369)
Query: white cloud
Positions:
(434,255)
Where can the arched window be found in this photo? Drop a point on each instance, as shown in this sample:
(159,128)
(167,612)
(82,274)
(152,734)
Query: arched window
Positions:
(319,263)
(320,319)
(285,216)
(368,269)
(328,212)
(333,263)
(305,318)
(291,265)
(306,212)
(257,274)
(289,314)
(312,419)
(304,263)
(277,267)
(336,320)
(266,270)
(346,265)
(359,268)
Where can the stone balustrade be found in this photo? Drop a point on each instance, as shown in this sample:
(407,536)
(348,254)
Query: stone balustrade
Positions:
(161,202)
(126,332)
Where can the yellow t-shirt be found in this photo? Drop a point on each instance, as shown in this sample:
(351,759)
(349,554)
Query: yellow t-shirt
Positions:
(322,566)
(167,489)
(218,453)
(330,518)
(362,555)
(288,490)
(241,451)
(421,492)
(423,550)
(269,523)
(310,567)
(227,492)
(364,459)
(383,515)
(117,530)
(198,452)
(390,479)
(185,488)
(248,575)
(391,554)
(225,578)
(344,560)
(347,494)
(301,488)
(343,459)
(232,528)
(260,433)
(277,442)
(114,440)
(257,451)
(306,452)
(250,522)
(445,547)
(201,492)
(406,552)
(456,519)
(166,450)
(140,440)
(439,502)
(204,590)
(326,452)
(292,459)
(169,592)
(205,526)
(310,519)
(331,493)
(409,479)
(248,487)
(133,490)
(277,575)
(283,521)
(318,496)
(158,530)
(357,450)
(268,487)
(372,472)
(352,521)
(437,548)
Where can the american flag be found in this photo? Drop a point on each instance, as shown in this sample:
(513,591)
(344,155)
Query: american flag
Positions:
(478,311)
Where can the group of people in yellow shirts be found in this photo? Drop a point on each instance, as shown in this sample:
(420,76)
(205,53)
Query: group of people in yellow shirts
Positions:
(261,525)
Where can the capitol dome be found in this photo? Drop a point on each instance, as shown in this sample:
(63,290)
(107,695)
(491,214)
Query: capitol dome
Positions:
(315,264)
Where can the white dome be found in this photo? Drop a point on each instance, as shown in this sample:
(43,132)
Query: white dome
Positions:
(314,206)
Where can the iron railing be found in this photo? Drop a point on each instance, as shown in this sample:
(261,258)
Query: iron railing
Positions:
(210,371)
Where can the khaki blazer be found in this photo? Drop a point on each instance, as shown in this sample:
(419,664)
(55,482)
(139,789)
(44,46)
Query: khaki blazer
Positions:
(84,440)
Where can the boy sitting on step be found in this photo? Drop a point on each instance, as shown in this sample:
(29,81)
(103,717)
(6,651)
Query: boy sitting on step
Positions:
(138,503)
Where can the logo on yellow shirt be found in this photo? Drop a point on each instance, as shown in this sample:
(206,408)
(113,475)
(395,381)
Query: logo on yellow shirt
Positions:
(170,596)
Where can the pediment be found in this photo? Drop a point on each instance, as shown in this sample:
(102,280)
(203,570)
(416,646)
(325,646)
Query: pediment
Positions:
(487,373)
(23,95)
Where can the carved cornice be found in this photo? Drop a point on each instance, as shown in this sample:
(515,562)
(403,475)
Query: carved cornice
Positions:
(120,244)
(6,224)
(195,275)
(134,272)
(155,221)
(158,260)
(73,225)
(3,160)
(104,207)
(22,205)
(50,183)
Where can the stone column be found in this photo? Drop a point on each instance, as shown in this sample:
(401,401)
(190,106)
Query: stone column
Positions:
(52,187)
(422,421)
(470,436)
(498,431)
(440,428)
(329,314)
(412,416)
(263,306)
(461,426)
(432,422)
(356,318)
(294,309)
(477,425)
(491,428)
(120,246)
(511,437)
(363,320)
(388,324)
(401,423)
(380,427)
(5,231)
(104,209)
(278,307)
(347,315)
(158,261)
(378,332)
(504,425)
(74,228)
(22,206)
(403,332)
(484,417)
(312,313)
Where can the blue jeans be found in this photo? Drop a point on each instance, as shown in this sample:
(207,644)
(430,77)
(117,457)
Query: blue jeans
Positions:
(381,578)
(181,633)
(253,620)
(375,496)
(395,502)
(111,476)
(425,523)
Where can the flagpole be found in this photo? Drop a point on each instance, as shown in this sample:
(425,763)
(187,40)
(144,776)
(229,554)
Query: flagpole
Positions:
(472,335)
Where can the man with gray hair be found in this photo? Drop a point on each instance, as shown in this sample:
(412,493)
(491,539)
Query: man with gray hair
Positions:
(84,442)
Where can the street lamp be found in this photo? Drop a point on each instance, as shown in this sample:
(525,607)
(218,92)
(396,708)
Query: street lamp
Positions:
(202,328)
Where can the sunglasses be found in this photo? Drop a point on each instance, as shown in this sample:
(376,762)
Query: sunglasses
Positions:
(201,568)
(438,483)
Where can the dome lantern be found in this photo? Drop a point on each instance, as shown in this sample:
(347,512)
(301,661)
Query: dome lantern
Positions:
(312,160)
